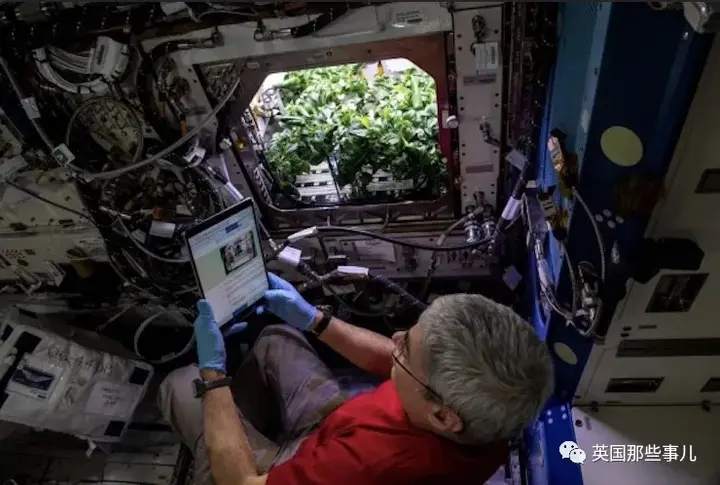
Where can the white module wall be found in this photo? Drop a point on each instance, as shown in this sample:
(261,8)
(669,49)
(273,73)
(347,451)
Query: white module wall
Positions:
(479,94)
(690,371)
(632,432)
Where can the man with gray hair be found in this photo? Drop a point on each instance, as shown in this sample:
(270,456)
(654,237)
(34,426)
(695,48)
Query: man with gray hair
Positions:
(468,377)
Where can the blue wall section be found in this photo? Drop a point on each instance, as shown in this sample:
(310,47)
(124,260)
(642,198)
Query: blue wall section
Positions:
(618,64)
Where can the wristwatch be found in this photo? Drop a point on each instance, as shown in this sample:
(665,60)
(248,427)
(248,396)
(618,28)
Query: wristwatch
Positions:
(322,324)
(200,387)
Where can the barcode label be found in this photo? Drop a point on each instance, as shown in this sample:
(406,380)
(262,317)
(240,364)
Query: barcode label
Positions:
(487,56)
(548,207)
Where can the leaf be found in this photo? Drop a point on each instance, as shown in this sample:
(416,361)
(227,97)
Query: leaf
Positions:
(388,124)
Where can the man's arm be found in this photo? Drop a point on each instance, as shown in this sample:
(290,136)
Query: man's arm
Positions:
(366,349)
(231,459)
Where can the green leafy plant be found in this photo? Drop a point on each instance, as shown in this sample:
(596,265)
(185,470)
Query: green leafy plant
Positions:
(389,123)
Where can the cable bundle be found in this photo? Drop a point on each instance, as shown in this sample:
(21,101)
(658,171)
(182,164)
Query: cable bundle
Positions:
(108,60)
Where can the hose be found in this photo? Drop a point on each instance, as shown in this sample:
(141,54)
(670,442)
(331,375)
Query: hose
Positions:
(169,149)
(573,280)
(398,290)
(101,328)
(400,242)
(167,358)
(433,257)
(145,250)
(596,230)
(306,270)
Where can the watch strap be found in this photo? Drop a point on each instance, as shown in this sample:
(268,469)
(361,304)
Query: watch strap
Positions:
(322,324)
(201,387)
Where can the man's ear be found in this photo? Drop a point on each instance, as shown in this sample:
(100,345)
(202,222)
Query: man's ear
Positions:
(445,420)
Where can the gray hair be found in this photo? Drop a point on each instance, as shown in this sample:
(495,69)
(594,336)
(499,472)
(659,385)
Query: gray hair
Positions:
(488,365)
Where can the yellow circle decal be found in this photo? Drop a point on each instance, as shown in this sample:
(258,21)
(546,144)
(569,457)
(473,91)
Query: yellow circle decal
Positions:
(565,353)
(621,146)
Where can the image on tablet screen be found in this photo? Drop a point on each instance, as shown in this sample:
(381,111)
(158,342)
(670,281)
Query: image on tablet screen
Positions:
(229,265)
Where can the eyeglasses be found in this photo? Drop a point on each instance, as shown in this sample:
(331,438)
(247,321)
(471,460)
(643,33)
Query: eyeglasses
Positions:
(401,353)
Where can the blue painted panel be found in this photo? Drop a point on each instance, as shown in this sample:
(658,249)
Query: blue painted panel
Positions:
(648,64)
(577,24)
(618,64)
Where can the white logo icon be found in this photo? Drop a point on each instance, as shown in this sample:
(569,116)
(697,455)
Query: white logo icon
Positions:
(577,456)
(566,448)
(569,450)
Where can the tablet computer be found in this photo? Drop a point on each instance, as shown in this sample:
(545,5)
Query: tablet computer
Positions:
(228,261)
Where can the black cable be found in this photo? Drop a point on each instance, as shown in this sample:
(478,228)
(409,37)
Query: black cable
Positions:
(400,242)
(305,269)
(398,290)
(48,201)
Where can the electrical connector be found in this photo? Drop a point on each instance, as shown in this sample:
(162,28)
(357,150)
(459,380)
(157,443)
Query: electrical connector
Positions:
(290,256)
(308,232)
(555,218)
(564,163)
(352,270)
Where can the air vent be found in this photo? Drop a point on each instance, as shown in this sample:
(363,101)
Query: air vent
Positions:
(634,385)
(691,347)
(712,385)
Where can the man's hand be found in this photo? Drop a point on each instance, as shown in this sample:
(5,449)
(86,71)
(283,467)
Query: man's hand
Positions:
(209,339)
(284,301)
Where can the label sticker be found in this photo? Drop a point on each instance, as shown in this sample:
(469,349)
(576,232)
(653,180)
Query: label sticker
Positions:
(34,378)
(162,229)
(63,155)
(375,250)
(408,17)
(11,166)
(111,399)
(548,205)
(91,245)
(487,56)
(479,79)
(30,107)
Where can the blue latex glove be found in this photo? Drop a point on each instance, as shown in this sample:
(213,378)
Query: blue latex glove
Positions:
(283,300)
(209,339)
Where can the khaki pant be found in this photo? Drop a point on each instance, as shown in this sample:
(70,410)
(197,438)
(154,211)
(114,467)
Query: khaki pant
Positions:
(282,382)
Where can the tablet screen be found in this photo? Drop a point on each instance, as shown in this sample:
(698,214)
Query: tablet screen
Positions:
(229,264)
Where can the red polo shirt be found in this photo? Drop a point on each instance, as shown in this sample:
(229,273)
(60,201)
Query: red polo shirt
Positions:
(369,440)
